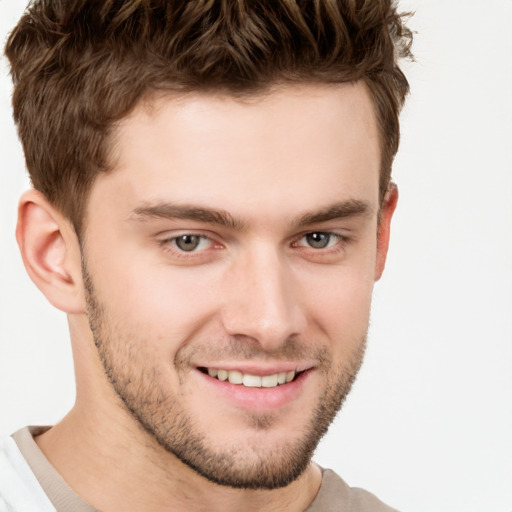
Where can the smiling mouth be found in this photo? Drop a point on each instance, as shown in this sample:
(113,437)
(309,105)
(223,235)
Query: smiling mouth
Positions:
(251,381)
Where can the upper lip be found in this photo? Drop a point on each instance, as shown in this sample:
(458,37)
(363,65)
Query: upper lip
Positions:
(260,369)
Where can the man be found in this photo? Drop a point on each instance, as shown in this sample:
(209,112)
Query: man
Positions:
(211,207)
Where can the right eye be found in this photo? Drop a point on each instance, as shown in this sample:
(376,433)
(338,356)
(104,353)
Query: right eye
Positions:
(319,240)
(190,243)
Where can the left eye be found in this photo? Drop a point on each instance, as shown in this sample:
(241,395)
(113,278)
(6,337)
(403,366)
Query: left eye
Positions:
(320,240)
(189,243)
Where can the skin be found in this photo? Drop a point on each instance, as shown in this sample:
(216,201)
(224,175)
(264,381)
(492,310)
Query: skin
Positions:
(254,295)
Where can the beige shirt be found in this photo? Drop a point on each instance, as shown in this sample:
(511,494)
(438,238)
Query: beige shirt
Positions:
(334,494)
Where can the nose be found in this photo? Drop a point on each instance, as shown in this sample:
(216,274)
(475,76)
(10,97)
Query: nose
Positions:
(260,300)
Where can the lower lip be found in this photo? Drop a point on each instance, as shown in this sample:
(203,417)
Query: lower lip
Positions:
(257,399)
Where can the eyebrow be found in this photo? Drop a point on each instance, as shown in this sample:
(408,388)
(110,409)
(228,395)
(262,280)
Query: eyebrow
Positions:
(343,209)
(189,212)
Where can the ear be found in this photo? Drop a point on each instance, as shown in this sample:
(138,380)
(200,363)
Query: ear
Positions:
(50,251)
(388,208)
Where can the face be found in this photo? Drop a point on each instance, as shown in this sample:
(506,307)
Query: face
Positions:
(229,261)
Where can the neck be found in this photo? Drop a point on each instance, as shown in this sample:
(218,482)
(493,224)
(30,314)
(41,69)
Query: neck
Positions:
(126,469)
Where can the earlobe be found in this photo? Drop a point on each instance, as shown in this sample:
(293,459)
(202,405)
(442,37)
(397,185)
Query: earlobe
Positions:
(388,208)
(50,251)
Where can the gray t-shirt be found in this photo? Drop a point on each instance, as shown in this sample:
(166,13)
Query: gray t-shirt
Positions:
(23,460)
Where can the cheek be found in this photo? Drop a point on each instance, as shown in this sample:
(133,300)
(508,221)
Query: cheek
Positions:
(158,301)
(167,305)
(344,304)
(338,304)
(340,291)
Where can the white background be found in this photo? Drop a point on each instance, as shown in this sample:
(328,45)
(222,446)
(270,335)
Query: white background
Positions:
(428,426)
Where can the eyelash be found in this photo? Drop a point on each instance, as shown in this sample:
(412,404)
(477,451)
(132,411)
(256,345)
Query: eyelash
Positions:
(170,244)
(336,236)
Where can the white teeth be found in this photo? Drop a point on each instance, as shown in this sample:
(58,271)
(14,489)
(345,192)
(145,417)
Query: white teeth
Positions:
(235,377)
(269,381)
(252,381)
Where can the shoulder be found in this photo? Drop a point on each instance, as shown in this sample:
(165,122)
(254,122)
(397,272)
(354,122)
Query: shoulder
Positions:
(336,496)
(19,488)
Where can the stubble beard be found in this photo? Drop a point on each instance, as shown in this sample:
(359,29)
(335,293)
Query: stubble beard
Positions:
(159,413)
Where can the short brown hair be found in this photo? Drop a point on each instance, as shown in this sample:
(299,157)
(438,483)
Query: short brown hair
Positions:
(79,66)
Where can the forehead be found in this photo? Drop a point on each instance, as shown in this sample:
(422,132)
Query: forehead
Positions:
(272,152)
